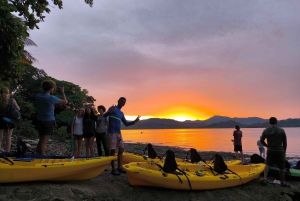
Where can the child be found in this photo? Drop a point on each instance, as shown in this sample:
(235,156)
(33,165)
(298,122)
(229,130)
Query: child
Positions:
(261,149)
(237,142)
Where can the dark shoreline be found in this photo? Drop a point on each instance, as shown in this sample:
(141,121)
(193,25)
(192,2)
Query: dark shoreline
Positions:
(138,148)
(62,148)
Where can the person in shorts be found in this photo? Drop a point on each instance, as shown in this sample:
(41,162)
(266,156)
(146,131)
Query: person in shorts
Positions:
(276,144)
(4,104)
(77,131)
(116,116)
(261,149)
(45,112)
(89,127)
(237,142)
(101,132)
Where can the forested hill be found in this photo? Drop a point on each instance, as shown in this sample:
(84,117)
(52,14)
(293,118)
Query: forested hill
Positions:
(214,122)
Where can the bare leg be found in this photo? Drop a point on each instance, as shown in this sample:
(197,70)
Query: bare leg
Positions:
(112,153)
(87,149)
(42,145)
(266,171)
(1,137)
(75,151)
(282,175)
(8,139)
(79,147)
(264,155)
(91,142)
(242,157)
(120,157)
(236,155)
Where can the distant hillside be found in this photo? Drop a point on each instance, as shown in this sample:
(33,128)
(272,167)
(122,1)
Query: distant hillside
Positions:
(226,124)
(213,122)
(246,121)
(281,123)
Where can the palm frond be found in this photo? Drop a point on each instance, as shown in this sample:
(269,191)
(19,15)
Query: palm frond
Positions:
(29,57)
(29,42)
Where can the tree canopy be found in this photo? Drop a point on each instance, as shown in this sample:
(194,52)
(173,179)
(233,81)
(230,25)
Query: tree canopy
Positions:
(17,72)
(14,32)
(29,84)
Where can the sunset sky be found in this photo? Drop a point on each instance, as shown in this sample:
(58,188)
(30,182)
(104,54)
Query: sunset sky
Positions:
(177,59)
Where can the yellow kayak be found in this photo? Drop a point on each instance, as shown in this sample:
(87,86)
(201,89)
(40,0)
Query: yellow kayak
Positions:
(18,170)
(192,178)
(131,157)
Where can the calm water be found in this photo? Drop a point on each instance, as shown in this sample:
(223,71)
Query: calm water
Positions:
(210,139)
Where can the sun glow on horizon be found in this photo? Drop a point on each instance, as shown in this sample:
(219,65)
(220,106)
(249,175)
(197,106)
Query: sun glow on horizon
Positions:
(176,111)
(180,117)
(133,117)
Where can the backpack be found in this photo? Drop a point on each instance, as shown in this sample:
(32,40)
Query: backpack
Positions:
(255,158)
(298,165)
(12,113)
(69,125)
(170,164)
(219,164)
(21,148)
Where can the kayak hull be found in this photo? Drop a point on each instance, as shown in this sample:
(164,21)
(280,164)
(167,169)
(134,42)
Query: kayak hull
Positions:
(149,174)
(16,170)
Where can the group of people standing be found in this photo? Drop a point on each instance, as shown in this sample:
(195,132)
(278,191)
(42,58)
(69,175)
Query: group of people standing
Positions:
(87,125)
(276,148)
(106,127)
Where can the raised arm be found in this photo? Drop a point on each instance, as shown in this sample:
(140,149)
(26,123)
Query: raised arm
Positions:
(64,99)
(16,104)
(129,123)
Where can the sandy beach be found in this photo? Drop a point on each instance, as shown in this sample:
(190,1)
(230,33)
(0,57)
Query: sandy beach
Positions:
(107,187)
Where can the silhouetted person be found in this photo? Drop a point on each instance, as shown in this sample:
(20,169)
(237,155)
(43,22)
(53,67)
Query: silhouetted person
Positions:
(237,142)
(276,144)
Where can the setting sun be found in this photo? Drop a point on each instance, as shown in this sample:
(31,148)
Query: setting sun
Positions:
(181,117)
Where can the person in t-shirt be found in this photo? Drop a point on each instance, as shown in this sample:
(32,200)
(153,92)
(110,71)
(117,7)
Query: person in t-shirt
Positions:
(116,116)
(237,142)
(277,145)
(45,110)
(101,132)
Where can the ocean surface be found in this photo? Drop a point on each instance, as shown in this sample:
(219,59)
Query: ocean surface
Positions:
(209,139)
